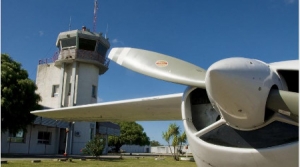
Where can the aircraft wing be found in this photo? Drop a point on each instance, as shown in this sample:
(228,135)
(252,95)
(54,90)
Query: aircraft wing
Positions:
(165,107)
(286,65)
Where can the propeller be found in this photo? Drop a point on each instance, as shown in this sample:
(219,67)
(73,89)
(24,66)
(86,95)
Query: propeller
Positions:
(174,70)
(159,66)
(284,102)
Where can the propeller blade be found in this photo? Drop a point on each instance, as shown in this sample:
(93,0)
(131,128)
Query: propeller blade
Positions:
(159,66)
(284,102)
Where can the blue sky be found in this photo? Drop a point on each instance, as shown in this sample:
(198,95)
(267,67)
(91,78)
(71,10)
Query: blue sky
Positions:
(200,32)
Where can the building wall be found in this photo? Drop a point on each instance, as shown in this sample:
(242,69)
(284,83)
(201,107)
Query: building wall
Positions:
(135,149)
(31,145)
(166,149)
(67,84)
(47,76)
(80,135)
(87,75)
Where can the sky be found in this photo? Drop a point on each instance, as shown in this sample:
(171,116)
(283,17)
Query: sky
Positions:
(199,32)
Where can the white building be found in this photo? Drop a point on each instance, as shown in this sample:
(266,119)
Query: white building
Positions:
(166,149)
(136,149)
(69,79)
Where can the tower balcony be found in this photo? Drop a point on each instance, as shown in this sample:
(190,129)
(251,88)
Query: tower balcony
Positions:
(71,54)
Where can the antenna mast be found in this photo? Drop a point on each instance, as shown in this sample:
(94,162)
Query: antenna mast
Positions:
(70,24)
(95,14)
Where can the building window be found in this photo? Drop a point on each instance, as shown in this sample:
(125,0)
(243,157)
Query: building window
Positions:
(87,44)
(44,138)
(19,137)
(55,89)
(70,88)
(91,133)
(68,42)
(94,91)
(102,49)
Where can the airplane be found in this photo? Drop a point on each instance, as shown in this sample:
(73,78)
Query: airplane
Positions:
(240,112)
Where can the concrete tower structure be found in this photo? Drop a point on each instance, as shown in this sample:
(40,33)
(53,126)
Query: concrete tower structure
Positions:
(72,79)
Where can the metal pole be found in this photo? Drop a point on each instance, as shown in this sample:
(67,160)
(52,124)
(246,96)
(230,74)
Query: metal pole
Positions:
(67,136)
(71,137)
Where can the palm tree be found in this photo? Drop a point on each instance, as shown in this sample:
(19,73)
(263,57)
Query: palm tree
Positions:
(166,135)
(173,133)
(182,140)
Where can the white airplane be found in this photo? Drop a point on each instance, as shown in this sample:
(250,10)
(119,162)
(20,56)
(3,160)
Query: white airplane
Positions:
(240,112)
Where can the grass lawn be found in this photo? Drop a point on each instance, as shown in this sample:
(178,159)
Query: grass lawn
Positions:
(130,162)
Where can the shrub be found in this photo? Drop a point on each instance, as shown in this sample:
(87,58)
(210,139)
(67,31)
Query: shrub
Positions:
(95,146)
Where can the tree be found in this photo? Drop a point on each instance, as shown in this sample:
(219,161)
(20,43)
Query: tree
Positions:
(173,138)
(130,133)
(182,140)
(95,146)
(154,143)
(18,96)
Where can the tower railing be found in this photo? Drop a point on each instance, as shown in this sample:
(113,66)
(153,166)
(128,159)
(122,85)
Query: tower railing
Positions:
(49,60)
(91,55)
(79,54)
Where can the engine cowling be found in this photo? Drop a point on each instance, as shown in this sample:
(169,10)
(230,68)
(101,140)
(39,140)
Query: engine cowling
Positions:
(238,88)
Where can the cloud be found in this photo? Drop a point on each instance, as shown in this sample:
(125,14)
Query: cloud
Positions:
(116,42)
(289,1)
(41,33)
(99,99)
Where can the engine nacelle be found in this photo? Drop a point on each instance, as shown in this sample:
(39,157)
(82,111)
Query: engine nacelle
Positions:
(238,88)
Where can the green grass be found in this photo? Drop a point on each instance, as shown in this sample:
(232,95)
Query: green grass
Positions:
(126,162)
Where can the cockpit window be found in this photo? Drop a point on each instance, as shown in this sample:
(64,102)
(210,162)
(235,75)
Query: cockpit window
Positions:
(87,44)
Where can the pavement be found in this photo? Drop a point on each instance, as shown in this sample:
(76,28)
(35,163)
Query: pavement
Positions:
(12,157)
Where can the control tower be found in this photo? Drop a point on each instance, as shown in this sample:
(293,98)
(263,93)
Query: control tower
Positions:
(70,78)
(81,59)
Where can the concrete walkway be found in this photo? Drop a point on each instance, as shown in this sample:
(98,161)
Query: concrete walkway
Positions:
(12,157)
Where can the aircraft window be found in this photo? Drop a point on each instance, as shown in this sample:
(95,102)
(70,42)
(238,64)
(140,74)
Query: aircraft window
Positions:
(68,42)
(87,44)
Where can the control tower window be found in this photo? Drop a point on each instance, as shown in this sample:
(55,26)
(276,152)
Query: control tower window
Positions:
(87,44)
(101,49)
(94,91)
(68,42)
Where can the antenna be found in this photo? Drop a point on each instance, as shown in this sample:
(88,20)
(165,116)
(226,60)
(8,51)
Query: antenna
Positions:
(70,24)
(95,14)
(106,30)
